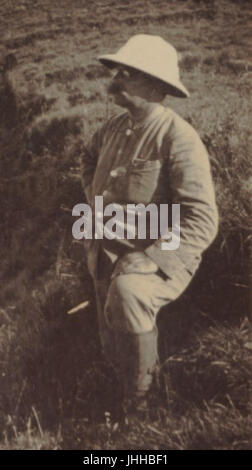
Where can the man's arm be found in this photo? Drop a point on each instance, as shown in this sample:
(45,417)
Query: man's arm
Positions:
(92,151)
(88,162)
(190,180)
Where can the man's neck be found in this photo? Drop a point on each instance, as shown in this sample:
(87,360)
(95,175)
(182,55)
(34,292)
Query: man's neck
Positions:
(139,110)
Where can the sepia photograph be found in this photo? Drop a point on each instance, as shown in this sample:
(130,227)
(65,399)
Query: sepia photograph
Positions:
(125,237)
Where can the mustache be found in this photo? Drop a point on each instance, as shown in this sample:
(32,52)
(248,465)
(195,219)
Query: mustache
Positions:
(115,87)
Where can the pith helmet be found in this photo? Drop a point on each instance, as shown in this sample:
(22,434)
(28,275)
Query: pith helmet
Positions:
(153,56)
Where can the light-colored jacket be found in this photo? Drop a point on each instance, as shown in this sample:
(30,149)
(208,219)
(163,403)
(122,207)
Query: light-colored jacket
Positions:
(165,162)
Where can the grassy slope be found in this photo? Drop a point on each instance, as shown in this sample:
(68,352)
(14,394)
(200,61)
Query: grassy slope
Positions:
(54,385)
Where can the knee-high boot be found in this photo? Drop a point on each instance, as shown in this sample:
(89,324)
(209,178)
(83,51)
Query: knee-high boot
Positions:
(134,358)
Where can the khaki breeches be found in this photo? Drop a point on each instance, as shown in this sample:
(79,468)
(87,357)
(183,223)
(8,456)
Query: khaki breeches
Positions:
(130,302)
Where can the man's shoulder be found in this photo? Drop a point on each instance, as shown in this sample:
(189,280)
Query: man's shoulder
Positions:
(182,136)
(180,127)
(182,139)
(109,126)
(115,120)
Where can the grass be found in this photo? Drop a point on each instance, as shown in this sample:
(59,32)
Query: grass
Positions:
(56,391)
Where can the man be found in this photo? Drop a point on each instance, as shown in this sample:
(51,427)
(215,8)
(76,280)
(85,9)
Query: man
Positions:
(147,154)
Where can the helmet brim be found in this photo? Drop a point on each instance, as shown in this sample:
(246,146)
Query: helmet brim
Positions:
(178,90)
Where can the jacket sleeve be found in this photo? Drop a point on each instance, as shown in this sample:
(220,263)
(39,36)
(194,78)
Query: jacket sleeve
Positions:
(89,160)
(190,180)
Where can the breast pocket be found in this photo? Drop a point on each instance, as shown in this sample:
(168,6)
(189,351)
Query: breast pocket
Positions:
(143,180)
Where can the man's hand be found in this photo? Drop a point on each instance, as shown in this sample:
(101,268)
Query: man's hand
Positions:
(137,262)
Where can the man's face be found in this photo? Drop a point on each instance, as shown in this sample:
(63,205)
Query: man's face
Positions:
(132,82)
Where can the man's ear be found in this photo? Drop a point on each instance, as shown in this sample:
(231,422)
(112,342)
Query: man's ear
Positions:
(163,88)
(159,87)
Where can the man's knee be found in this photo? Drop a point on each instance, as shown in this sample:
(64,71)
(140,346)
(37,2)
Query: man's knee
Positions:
(126,309)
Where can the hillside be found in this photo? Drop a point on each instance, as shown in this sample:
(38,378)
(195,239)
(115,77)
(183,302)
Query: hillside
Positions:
(56,392)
